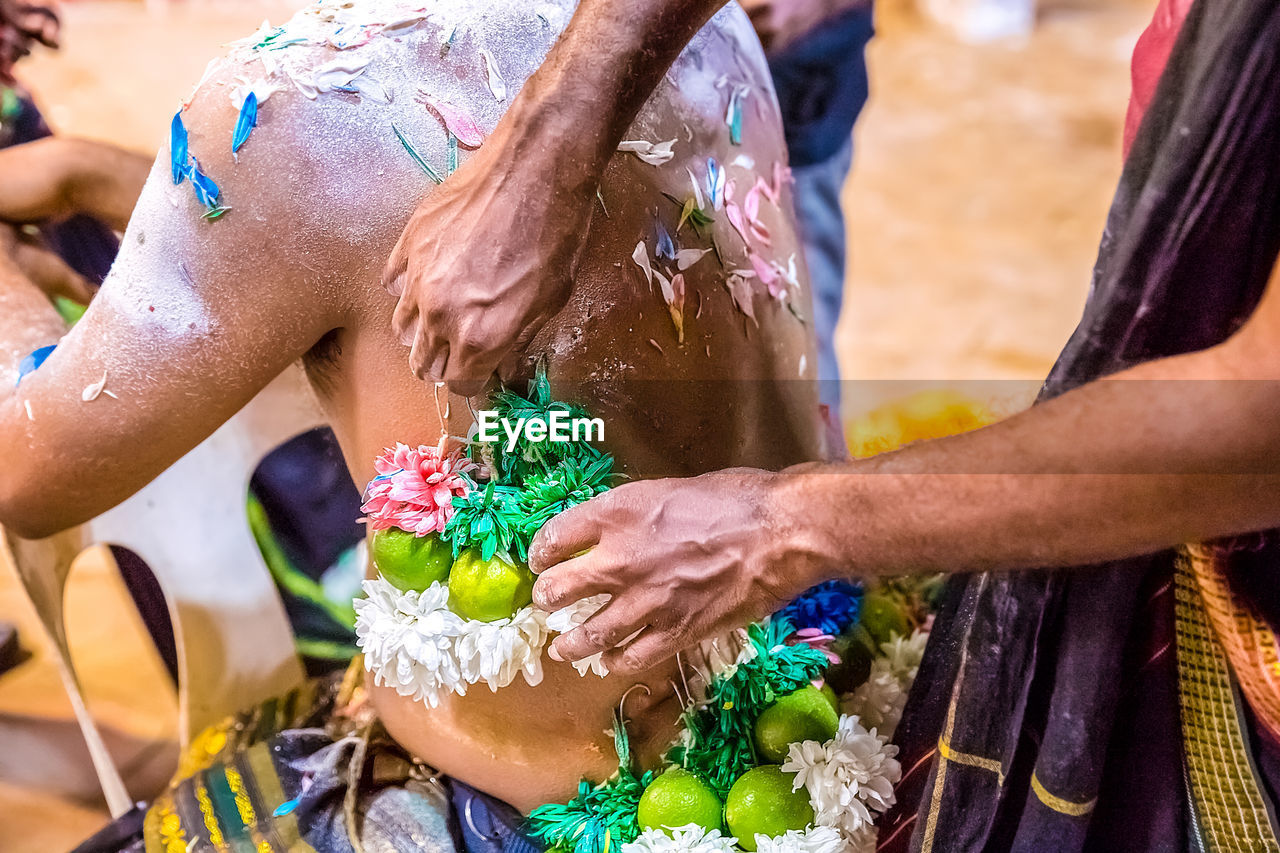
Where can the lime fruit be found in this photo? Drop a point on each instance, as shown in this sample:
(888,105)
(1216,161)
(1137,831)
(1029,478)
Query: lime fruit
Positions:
(806,714)
(883,617)
(678,798)
(488,590)
(410,562)
(761,802)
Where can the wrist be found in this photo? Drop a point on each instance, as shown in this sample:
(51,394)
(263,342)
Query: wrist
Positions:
(802,540)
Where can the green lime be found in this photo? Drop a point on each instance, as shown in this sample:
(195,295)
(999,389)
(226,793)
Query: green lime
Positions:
(488,590)
(761,802)
(678,798)
(806,714)
(883,617)
(410,562)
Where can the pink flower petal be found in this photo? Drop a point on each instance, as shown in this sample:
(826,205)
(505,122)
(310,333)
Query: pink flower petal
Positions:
(459,123)
(767,274)
(734,213)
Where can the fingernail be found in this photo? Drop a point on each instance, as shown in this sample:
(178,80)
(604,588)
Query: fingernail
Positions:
(553,654)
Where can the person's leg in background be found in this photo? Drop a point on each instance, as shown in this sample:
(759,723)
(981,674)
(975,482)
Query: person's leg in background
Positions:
(817,196)
(821,78)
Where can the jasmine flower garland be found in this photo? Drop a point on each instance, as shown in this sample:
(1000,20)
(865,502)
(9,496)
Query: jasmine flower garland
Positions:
(815,839)
(687,839)
(414,643)
(879,700)
(848,778)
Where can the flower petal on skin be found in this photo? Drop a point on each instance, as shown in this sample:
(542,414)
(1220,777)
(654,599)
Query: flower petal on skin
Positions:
(206,190)
(666,249)
(417,158)
(93,390)
(246,122)
(653,153)
(734,213)
(768,275)
(456,120)
(179,153)
(263,89)
(740,291)
(497,85)
(733,114)
(686,258)
(641,258)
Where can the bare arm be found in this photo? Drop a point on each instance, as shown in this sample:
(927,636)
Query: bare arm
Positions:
(195,317)
(55,177)
(1178,450)
(488,257)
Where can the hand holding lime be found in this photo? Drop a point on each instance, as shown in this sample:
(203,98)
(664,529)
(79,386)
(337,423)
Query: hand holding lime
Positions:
(678,798)
(761,802)
(409,562)
(488,590)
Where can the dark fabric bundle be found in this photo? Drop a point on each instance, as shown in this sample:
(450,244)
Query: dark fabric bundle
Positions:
(1045,716)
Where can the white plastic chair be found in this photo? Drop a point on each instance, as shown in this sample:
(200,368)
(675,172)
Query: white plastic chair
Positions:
(234,643)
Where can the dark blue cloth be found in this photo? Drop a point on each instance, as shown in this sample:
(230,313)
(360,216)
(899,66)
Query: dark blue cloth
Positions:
(821,82)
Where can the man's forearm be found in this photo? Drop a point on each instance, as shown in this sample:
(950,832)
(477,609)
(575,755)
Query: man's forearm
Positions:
(1114,469)
(594,81)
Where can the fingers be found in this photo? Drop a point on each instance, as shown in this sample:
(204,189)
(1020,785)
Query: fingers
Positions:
(571,532)
(652,647)
(573,581)
(602,632)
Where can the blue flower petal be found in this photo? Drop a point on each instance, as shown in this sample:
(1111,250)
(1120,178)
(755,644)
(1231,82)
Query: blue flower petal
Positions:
(206,190)
(33,361)
(245,124)
(713,177)
(733,118)
(666,246)
(285,808)
(178,151)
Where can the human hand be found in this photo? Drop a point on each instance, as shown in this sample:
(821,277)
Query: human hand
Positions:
(780,23)
(23,23)
(683,560)
(488,258)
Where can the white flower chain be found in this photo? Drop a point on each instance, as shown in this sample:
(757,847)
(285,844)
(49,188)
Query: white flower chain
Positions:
(413,642)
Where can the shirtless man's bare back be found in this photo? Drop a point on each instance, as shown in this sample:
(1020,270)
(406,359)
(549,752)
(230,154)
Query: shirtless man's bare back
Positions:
(356,104)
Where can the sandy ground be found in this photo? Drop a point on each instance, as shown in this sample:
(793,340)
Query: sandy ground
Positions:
(981,181)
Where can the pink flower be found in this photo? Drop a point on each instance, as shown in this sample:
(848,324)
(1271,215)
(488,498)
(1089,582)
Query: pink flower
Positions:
(414,489)
(818,640)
